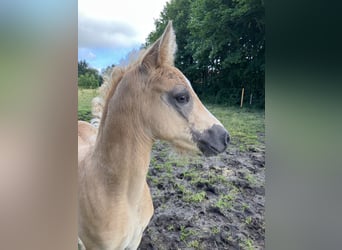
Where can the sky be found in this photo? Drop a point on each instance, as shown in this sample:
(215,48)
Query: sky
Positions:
(109,29)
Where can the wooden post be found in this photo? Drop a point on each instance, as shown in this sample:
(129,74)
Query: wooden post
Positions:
(243,91)
(250,99)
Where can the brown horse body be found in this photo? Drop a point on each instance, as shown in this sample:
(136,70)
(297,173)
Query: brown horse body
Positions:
(149,100)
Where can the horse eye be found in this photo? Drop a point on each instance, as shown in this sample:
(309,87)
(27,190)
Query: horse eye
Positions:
(182,99)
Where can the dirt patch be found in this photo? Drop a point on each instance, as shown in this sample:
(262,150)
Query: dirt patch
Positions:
(207,203)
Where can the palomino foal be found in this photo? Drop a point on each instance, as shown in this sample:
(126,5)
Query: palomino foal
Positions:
(149,100)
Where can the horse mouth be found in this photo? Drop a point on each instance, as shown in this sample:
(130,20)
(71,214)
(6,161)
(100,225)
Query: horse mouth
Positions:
(211,141)
(207,149)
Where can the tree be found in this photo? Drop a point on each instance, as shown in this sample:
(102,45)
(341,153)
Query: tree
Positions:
(88,81)
(179,12)
(82,67)
(221,46)
(228,40)
(88,77)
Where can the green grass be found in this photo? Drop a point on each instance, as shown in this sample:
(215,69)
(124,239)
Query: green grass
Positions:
(84,103)
(195,197)
(225,201)
(189,196)
(243,125)
(247,244)
(193,244)
(248,220)
(215,230)
(250,178)
(185,233)
(170,227)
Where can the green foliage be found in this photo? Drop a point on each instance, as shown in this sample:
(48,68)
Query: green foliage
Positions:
(88,77)
(88,81)
(83,66)
(84,115)
(221,47)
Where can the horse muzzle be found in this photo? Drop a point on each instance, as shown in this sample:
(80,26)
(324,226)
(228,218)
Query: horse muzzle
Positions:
(212,141)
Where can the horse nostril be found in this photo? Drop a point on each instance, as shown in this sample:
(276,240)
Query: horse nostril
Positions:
(227,139)
(213,140)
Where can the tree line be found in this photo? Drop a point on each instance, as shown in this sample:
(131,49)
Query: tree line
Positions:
(221,47)
(87,76)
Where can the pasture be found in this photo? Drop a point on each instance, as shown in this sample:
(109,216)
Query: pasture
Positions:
(84,103)
(207,203)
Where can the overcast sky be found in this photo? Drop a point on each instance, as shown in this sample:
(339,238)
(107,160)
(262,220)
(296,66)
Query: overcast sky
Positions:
(109,29)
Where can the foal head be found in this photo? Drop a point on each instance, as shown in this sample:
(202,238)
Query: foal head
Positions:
(166,104)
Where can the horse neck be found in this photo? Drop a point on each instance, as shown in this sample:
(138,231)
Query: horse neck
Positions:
(122,153)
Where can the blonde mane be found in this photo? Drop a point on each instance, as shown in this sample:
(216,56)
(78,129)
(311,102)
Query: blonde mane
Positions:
(107,89)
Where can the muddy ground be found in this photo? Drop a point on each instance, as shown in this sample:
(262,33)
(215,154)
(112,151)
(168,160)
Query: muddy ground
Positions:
(207,203)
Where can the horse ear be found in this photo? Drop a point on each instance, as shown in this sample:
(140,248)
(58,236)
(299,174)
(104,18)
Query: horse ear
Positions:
(168,46)
(162,52)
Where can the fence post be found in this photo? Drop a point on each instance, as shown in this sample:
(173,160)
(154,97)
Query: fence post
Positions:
(243,91)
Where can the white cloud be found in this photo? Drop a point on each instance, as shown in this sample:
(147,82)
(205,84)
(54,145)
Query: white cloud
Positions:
(86,54)
(97,33)
(116,24)
(109,29)
(91,55)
